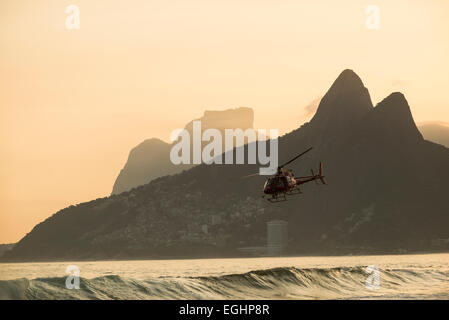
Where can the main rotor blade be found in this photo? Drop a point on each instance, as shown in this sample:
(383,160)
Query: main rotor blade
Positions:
(296,157)
(250,175)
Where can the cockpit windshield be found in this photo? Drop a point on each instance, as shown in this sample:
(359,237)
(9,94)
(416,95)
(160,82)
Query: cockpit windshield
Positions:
(279,182)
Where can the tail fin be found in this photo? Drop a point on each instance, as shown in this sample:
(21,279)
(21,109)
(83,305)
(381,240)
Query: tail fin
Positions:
(321,174)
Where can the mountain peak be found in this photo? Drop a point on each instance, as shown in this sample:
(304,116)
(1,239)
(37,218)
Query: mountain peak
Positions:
(348,80)
(346,101)
(150,159)
(395,104)
(393,115)
(241,117)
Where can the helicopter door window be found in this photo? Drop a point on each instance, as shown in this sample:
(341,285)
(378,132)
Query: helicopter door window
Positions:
(279,182)
(270,182)
(283,182)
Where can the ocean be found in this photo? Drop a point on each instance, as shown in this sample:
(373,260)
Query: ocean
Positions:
(424,276)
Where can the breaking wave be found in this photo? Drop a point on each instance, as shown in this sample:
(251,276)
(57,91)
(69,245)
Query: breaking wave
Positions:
(277,283)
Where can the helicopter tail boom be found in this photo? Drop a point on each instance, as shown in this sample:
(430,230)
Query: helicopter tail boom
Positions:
(319,176)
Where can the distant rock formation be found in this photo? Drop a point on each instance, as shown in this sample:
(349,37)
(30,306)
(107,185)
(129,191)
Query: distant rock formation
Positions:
(436,132)
(5,247)
(386,192)
(151,158)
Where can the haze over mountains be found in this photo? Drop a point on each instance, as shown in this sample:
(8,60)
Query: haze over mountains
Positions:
(436,131)
(151,158)
(387,192)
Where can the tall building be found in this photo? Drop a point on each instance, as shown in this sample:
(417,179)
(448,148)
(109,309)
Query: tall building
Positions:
(277,236)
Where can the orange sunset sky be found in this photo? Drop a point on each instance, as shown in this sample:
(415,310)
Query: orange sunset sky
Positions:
(74,102)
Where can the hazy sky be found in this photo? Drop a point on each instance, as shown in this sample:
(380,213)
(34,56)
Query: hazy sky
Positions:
(74,102)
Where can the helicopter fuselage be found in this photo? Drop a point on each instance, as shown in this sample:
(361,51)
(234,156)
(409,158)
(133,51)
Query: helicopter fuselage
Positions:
(280,183)
(284,183)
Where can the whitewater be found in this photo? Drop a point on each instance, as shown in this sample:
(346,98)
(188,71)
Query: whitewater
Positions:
(424,276)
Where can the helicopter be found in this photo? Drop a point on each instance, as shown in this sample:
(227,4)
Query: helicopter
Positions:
(284,183)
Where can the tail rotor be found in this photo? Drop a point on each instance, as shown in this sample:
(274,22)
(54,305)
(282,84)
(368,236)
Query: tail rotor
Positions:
(320,174)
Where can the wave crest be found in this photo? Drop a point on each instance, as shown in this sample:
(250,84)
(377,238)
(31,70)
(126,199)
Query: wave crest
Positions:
(276,283)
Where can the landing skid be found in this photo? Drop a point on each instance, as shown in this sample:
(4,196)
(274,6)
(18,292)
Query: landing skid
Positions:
(276,198)
(293,191)
(280,197)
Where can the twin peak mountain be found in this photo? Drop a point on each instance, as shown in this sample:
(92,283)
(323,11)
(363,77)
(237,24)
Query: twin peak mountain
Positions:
(346,103)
